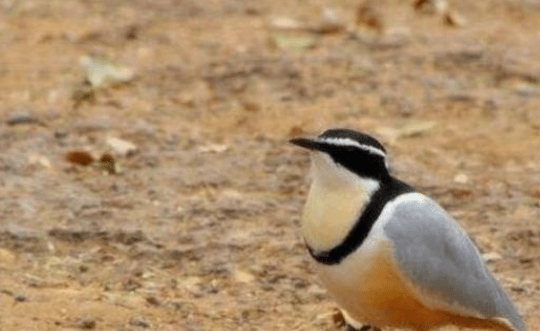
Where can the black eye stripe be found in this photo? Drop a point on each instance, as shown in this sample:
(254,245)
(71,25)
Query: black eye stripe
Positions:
(364,164)
(355,151)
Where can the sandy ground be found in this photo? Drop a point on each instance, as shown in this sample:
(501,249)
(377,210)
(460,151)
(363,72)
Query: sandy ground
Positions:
(200,229)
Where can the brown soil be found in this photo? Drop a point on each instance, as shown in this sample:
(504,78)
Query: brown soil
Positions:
(200,230)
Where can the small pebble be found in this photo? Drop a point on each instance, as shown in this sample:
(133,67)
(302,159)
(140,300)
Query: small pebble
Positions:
(122,147)
(60,134)
(21,117)
(88,324)
(525,90)
(20,297)
(461,178)
(139,322)
(153,301)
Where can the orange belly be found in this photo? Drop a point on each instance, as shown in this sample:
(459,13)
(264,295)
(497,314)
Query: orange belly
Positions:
(372,292)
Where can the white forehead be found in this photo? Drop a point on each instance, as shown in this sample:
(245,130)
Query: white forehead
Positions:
(353,143)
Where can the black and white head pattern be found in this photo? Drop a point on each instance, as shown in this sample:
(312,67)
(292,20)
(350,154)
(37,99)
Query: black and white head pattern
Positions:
(356,151)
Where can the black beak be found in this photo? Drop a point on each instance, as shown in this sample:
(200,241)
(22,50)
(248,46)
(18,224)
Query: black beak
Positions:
(306,143)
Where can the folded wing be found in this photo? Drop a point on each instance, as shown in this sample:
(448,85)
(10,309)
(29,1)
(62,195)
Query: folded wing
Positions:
(439,260)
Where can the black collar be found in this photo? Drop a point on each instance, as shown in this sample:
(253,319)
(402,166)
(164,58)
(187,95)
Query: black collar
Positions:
(388,191)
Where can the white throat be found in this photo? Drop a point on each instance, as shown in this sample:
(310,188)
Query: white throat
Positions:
(335,202)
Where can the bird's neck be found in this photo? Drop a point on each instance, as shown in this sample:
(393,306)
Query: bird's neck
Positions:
(333,207)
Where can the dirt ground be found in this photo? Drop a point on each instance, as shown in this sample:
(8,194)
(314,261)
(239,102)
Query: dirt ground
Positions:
(200,229)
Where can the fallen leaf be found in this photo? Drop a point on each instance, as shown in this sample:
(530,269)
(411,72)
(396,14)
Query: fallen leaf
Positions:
(369,15)
(431,6)
(243,276)
(100,72)
(453,18)
(294,42)
(394,38)
(213,148)
(526,260)
(408,130)
(39,159)
(491,257)
(286,23)
(83,94)
(460,192)
(190,282)
(107,164)
(418,4)
(79,157)
(250,105)
(461,179)
(132,31)
(414,129)
(337,318)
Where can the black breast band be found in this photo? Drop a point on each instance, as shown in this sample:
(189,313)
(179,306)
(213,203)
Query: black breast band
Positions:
(386,193)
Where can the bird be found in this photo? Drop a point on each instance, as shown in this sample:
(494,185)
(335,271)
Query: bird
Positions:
(390,256)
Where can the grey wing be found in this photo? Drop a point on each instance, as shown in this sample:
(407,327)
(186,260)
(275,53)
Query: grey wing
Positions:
(440,261)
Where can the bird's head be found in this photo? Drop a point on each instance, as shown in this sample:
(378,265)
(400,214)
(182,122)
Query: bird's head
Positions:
(343,157)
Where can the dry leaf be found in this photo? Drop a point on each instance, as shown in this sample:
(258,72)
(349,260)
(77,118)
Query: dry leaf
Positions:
(79,157)
(286,23)
(39,159)
(460,192)
(102,73)
(190,282)
(453,18)
(250,105)
(83,94)
(107,164)
(337,318)
(461,179)
(292,42)
(414,129)
(368,15)
(213,149)
(491,257)
(411,129)
(418,4)
(431,6)
(243,276)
